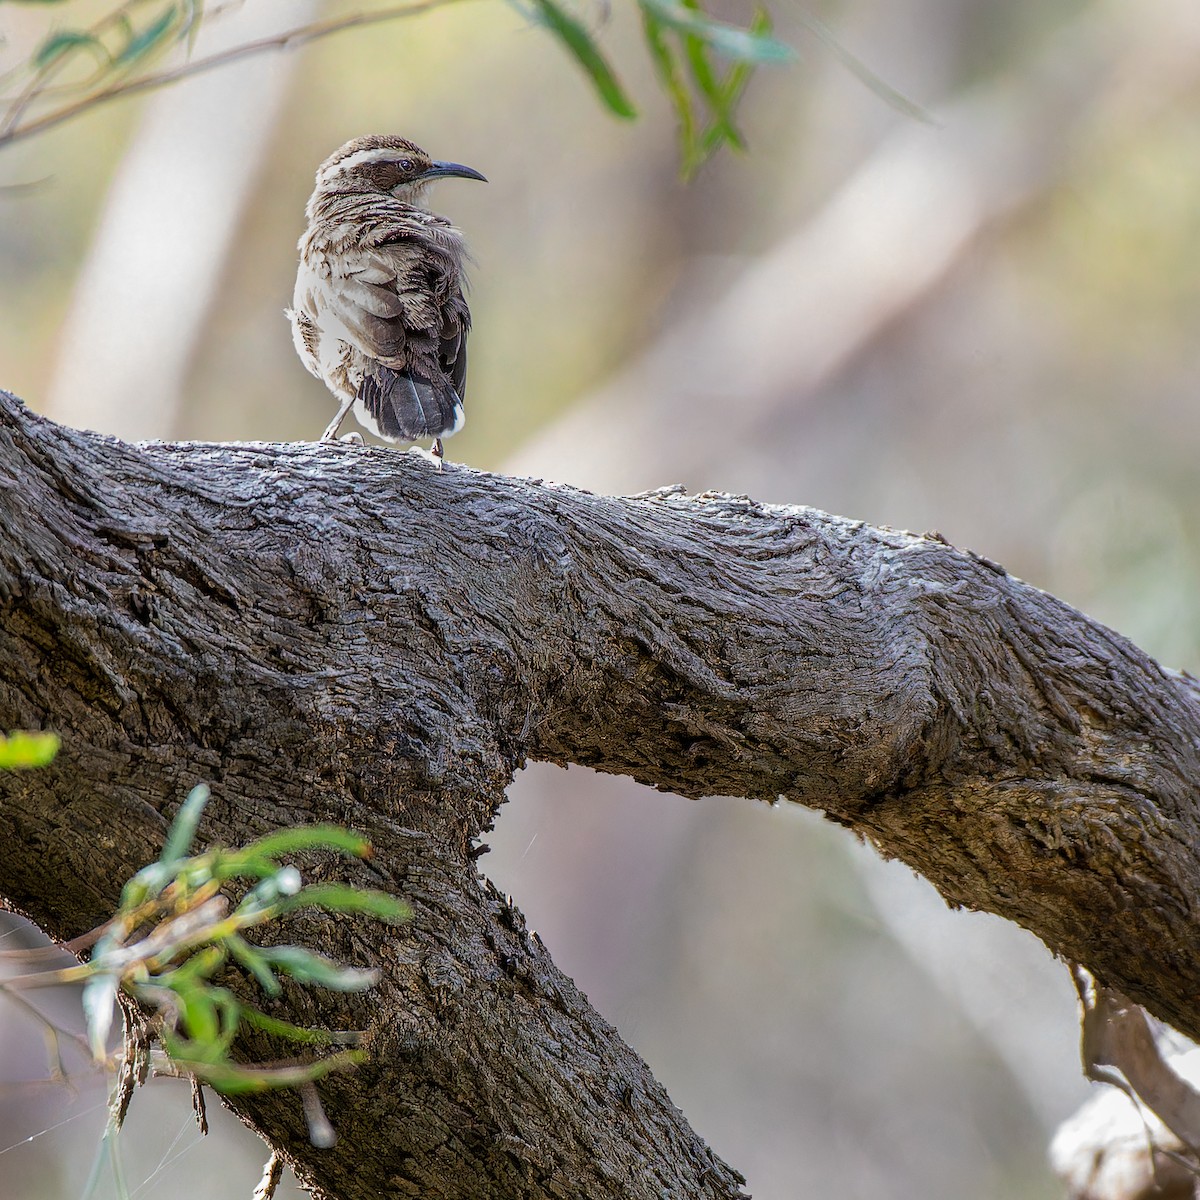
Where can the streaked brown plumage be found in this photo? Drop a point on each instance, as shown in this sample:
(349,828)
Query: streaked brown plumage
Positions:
(378,313)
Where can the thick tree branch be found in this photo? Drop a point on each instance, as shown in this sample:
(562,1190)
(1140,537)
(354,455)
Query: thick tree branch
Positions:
(331,632)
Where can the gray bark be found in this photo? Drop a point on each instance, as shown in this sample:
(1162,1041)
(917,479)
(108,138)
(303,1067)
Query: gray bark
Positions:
(333,633)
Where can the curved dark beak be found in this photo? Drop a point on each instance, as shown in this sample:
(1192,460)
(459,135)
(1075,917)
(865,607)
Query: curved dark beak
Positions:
(440,170)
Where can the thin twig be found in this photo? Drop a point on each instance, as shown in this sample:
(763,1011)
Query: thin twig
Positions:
(272,1174)
(39,84)
(288,40)
(199,1109)
(52,1027)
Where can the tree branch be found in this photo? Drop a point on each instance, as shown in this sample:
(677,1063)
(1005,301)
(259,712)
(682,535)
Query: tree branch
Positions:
(333,632)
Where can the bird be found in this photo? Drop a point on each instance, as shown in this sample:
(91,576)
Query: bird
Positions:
(379,313)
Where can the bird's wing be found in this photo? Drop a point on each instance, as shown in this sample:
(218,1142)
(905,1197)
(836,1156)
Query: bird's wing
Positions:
(452,342)
(371,299)
(402,303)
(397,300)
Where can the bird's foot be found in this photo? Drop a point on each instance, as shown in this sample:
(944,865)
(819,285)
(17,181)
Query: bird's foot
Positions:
(428,455)
(353,438)
(336,424)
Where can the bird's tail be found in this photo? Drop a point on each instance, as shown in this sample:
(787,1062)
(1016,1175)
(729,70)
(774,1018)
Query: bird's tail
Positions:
(405,407)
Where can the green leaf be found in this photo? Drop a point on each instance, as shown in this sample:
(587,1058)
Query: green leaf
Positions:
(670,75)
(292,841)
(307,967)
(199,1016)
(22,750)
(341,897)
(194,969)
(283,884)
(733,87)
(183,828)
(232,1080)
(728,40)
(713,92)
(148,882)
(294,1033)
(62,43)
(99,1002)
(580,43)
(250,958)
(143,43)
(192,17)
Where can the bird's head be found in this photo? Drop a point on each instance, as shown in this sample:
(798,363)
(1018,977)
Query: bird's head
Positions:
(387,164)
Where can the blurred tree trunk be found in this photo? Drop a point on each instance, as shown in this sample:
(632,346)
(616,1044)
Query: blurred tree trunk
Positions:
(329,633)
(179,197)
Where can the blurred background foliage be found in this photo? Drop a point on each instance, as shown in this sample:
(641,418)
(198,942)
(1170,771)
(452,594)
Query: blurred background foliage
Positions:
(981,322)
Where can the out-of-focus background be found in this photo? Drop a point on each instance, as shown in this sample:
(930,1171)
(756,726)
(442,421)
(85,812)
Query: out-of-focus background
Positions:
(983,323)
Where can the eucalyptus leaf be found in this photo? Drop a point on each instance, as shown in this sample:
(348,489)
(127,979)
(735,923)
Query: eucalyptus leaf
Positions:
(738,76)
(149,882)
(251,959)
(713,92)
(725,39)
(232,1080)
(147,40)
(341,897)
(306,837)
(284,883)
(307,967)
(294,1033)
(199,1016)
(581,44)
(202,964)
(183,828)
(670,75)
(99,1001)
(193,16)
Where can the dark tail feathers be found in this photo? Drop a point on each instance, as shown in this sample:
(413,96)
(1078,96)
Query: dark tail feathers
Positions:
(405,408)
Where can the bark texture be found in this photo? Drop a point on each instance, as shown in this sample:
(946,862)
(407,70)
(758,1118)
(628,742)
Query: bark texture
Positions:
(337,633)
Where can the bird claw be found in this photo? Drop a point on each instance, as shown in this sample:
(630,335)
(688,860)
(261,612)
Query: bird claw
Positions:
(353,438)
(428,455)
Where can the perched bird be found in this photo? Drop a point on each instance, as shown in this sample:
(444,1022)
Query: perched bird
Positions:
(378,314)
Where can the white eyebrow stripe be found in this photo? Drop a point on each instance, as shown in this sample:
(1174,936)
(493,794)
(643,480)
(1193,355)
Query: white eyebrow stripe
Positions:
(375,154)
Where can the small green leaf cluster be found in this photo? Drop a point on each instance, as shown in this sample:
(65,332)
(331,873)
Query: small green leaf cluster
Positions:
(123,37)
(93,60)
(683,40)
(175,932)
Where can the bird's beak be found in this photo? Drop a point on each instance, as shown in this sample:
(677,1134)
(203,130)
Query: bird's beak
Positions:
(440,170)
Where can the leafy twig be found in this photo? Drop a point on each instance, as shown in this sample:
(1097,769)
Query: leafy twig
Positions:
(175,932)
(11,130)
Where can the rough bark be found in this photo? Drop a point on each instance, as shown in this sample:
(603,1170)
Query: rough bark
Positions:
(338,633)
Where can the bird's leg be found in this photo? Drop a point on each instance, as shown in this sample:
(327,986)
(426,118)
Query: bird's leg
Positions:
(332,428)
(436,450)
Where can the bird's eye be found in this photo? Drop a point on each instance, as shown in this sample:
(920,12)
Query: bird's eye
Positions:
(406,164)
